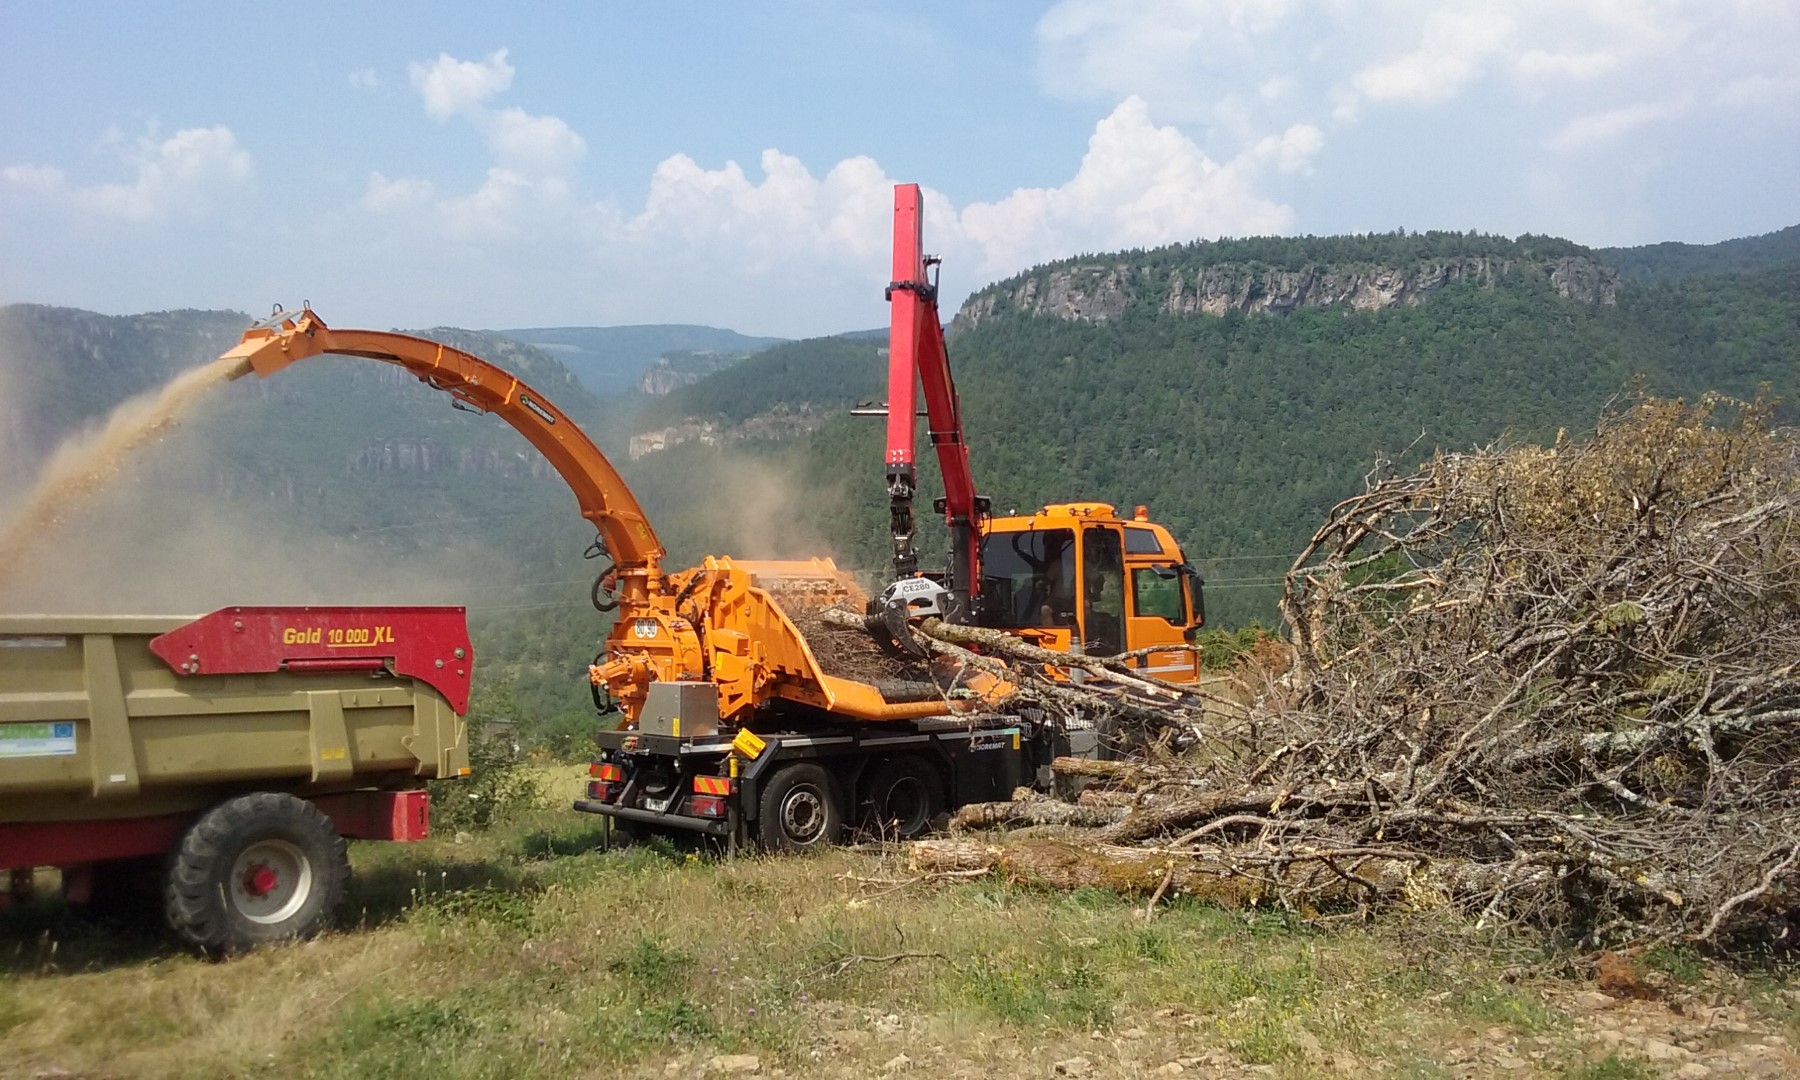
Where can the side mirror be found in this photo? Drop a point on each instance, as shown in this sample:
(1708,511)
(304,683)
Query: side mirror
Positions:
(1199,594)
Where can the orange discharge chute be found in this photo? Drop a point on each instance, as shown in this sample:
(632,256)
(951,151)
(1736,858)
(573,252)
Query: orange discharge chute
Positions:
(605,500)
(726,621)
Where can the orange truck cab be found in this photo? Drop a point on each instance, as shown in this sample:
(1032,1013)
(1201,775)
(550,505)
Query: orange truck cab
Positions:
(1076,577)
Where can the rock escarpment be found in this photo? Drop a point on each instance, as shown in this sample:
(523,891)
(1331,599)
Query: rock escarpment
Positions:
(1096,292)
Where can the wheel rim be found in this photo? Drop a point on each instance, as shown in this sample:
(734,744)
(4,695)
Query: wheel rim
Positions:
(906,805)
(270,881)
(803,815)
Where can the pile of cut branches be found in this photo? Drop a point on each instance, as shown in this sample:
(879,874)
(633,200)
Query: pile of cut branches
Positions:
(1556,686)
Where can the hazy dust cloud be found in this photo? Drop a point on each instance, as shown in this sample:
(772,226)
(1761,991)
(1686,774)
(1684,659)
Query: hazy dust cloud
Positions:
(745,506)
(122,519)
(83,465)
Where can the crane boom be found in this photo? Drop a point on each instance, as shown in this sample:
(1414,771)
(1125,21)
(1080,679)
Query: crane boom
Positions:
(917,355)
(604,499)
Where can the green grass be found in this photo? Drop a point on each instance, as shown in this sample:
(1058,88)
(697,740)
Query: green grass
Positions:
(1522,1011)
(1613,1066)
(527,952)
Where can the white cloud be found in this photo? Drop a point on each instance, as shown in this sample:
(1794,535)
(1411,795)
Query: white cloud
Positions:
(1538,65)
(383,195)
(450,86)
(1759,91)
(364,79)
(1455,44)
(790,215)
(1590,129)
(182,174)
(718,238)
(1274,89)
(1192,59)
(39,178)
(1138,185)
(538,143)
(1293,150)
(529,185)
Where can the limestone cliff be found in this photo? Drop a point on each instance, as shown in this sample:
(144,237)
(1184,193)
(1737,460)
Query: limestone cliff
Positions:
(781,422)
(430,456)
(1098,291)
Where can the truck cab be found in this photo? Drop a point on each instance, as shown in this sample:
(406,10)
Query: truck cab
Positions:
(1078,577)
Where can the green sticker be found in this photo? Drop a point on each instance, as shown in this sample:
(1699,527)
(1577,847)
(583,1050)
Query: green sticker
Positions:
(37,740)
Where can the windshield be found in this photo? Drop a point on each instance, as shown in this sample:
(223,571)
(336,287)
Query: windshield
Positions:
(1028,579)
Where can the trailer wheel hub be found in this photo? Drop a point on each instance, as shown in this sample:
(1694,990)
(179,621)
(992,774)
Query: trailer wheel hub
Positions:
(270,880)
(260,881)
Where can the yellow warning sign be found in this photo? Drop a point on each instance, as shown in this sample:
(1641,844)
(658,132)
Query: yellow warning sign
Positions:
(748,744)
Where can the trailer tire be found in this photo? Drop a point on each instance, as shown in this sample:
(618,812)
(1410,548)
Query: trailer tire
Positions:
(800,809)
(259,868)
(905,796)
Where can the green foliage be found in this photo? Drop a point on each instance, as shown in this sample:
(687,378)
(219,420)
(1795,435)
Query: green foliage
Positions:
(1055,991)
(1614,1066)
(498,788)
(1678,262)
(1680,963)
(835,371)
(503,909)
(385,1038)
(1254,254)
(655,968)
(1219,649)
(1519,1010)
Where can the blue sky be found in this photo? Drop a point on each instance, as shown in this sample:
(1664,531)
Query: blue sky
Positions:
(730,164)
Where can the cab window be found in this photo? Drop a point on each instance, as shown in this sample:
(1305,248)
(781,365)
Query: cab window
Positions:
(1028,579)
(1139,541)
(1103,591)
(1157,597)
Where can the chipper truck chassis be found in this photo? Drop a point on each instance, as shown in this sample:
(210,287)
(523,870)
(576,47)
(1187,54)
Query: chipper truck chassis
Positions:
(217,764)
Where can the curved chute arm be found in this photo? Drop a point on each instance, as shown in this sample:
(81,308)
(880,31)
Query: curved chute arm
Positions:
(605,500)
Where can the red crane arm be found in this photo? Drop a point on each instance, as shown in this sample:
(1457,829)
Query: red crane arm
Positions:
(917,354)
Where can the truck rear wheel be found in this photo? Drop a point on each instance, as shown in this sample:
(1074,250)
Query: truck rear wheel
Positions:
(259,868)
(800,810)
(905,794)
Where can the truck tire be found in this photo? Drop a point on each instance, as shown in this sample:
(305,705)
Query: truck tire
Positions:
(905,795)
(800,809)
(259,868)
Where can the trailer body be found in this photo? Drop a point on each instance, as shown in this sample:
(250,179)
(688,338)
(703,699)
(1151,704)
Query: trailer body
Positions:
(124,739)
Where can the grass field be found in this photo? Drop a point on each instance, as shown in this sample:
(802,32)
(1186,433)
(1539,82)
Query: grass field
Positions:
(526,952)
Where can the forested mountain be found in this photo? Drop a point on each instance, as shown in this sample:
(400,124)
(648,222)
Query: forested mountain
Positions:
(1676,262)
(611,359)
(1239,389)
(834,369)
